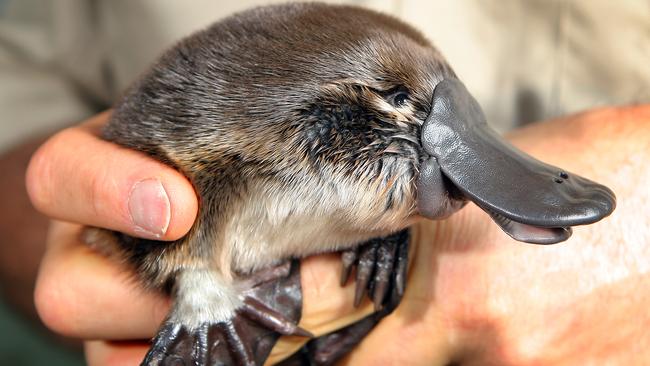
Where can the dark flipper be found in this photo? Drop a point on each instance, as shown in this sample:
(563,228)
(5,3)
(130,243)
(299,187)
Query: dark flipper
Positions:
(381,272)
(247,338)
(381,264)
(328,349)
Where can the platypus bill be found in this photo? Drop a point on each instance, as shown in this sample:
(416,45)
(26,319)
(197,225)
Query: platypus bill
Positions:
(310,128)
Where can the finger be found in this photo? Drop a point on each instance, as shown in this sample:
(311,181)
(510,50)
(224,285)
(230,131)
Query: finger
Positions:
(82,294)
(103,353)
(78,177)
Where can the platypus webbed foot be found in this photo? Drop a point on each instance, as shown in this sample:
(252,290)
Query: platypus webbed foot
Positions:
(330,348)
(380,264)
(381,272)
(244,338)
(208,344)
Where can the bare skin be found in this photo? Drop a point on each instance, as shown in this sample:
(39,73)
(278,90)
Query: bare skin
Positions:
(474,295)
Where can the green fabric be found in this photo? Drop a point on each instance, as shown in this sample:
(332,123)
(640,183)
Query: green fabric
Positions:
(22,345)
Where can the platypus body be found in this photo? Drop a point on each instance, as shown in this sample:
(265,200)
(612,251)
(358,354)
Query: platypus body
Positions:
(311,128)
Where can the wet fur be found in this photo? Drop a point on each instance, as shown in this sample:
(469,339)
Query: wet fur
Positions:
(279,118)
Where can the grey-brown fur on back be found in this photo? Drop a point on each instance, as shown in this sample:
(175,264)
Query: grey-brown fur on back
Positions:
(275,98)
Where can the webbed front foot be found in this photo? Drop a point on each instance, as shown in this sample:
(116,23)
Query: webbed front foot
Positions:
(380,265)
(246,337)
(208,344)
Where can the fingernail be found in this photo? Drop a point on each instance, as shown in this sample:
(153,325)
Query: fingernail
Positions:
(149,207)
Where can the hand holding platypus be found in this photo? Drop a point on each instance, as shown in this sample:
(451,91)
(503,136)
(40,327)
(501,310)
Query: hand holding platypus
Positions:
(302,119)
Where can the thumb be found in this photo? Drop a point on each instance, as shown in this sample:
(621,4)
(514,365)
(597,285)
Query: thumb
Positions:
(76,176)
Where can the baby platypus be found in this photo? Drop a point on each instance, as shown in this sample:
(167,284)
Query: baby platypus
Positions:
(311,128)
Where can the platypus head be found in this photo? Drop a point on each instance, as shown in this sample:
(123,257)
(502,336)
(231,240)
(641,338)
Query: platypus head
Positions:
(531,201)
(405,116)
(284,115)
(402,118)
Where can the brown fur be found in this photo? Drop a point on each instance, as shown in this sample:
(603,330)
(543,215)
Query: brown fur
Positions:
(281,118)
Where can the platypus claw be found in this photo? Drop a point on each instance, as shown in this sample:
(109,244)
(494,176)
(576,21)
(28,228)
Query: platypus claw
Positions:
(246,338)
(380,263)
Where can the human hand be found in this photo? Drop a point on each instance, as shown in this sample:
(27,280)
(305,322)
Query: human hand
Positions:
(77,177)
(473,294)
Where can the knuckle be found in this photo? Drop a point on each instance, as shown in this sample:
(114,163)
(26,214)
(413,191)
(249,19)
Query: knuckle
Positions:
(53,307)
(54,304)
(38,170)
(40,178)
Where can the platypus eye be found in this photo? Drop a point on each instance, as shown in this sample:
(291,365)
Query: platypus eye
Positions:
(397,97)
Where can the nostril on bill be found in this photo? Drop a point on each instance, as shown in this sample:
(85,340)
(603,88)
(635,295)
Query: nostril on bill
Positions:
(558,180)
(563,175)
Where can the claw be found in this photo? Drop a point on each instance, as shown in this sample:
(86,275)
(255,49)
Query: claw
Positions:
(401,266)
(348,257)
(166,338)
(381,268)
(247,336)
(262,314)
(240,351)
(365,268)
(201,346)
(384,269)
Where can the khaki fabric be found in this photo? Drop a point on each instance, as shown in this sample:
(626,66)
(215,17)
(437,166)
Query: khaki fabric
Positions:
(61,61)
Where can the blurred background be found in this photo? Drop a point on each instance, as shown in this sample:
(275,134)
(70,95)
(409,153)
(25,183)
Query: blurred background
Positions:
(63,61)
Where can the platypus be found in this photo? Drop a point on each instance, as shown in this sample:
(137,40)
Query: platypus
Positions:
(305,129)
